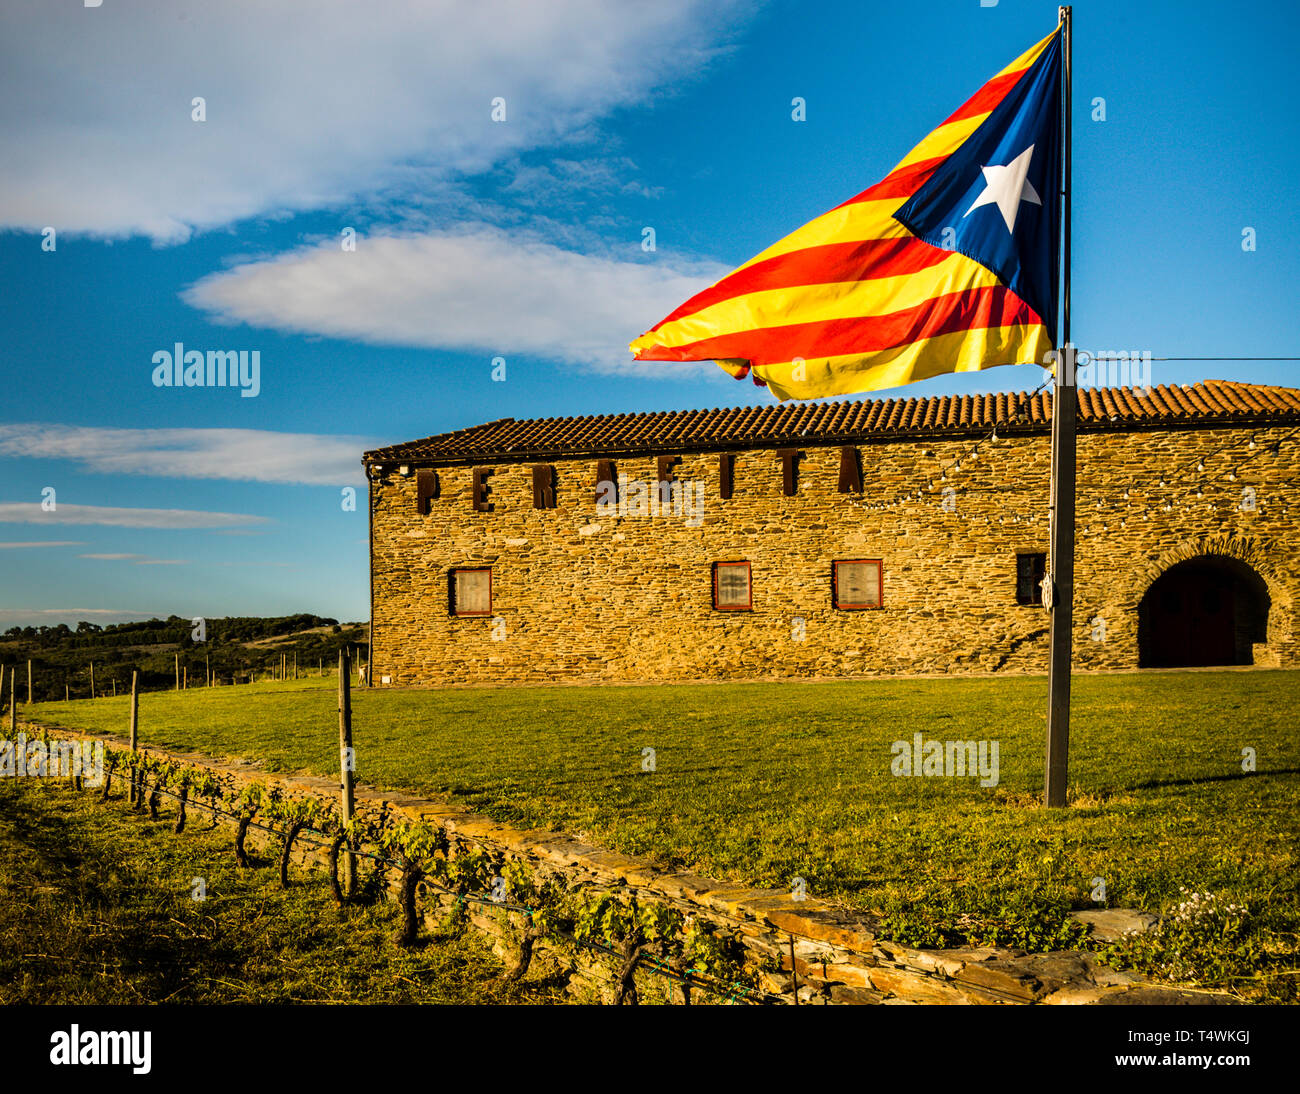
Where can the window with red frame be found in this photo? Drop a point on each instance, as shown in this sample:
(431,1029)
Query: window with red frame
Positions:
(857,583)
(471,591)
(731,587)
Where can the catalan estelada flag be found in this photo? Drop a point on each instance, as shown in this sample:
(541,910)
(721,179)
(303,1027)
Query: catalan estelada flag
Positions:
(948,264)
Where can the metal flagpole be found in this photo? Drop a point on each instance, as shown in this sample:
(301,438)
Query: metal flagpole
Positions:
(1059,587)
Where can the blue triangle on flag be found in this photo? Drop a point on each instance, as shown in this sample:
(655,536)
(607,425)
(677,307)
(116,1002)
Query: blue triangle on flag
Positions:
(966,204)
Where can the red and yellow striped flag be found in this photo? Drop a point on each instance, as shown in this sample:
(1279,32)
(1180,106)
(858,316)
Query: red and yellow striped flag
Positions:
(856,301)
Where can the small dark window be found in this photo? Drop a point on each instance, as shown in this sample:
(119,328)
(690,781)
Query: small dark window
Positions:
(471,592)
(857,583)
(1030,571)
(731,587)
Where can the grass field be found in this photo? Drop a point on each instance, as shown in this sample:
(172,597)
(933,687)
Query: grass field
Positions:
(97,908)
(766,782)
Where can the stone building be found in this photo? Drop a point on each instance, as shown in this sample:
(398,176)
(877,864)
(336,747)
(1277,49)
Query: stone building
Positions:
(836,539)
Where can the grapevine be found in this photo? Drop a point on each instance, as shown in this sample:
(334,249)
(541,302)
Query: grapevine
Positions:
(632,930)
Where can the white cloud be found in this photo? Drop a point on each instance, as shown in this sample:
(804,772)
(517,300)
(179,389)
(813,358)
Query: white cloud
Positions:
(137,560)
(479,289)
(44,543)
(35,617)
(556,180)
(250,455)
(307,106)
(32,513)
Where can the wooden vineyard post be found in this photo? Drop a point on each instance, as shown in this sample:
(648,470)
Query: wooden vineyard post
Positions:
(13,703)
(794,974)
(207,669)
(320,667)
(346,764)
(178,672)
(29,680)
(2,688)
(114,687)
(135,725)
(92,681)
(185,678)
(67,695)
(295,665)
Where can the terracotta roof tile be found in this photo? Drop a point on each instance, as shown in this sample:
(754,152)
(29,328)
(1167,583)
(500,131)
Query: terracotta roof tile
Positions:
(1211,402)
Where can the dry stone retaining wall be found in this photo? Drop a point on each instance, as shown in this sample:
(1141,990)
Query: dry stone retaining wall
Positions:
(837,956)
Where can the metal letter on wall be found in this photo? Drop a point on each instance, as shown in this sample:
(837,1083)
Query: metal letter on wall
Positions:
(850,471)
(788,457)
(665,465)
(605,474)
(426,489)
(481,489)
(544,486)
(726,474)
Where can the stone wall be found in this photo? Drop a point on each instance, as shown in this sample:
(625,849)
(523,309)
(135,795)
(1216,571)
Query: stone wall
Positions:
(583,595)
(805,950)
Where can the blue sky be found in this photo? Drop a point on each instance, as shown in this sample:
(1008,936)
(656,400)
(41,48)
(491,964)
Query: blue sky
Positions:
(519,239)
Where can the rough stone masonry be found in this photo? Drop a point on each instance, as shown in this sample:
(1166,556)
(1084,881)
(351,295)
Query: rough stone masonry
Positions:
(497,556)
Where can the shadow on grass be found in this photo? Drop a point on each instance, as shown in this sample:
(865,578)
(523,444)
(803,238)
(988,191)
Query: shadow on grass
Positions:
(1155,784)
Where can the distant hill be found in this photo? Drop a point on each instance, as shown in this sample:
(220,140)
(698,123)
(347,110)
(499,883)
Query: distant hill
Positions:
(230,648)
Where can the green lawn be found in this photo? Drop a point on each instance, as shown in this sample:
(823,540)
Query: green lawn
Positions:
(766,782)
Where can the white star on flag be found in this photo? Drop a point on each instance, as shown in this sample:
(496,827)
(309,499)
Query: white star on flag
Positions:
(1007,186)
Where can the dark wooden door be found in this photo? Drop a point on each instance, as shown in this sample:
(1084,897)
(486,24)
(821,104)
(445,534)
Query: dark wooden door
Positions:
(1192,615)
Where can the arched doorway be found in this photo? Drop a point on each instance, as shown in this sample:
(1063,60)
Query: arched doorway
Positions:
(1208,610)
